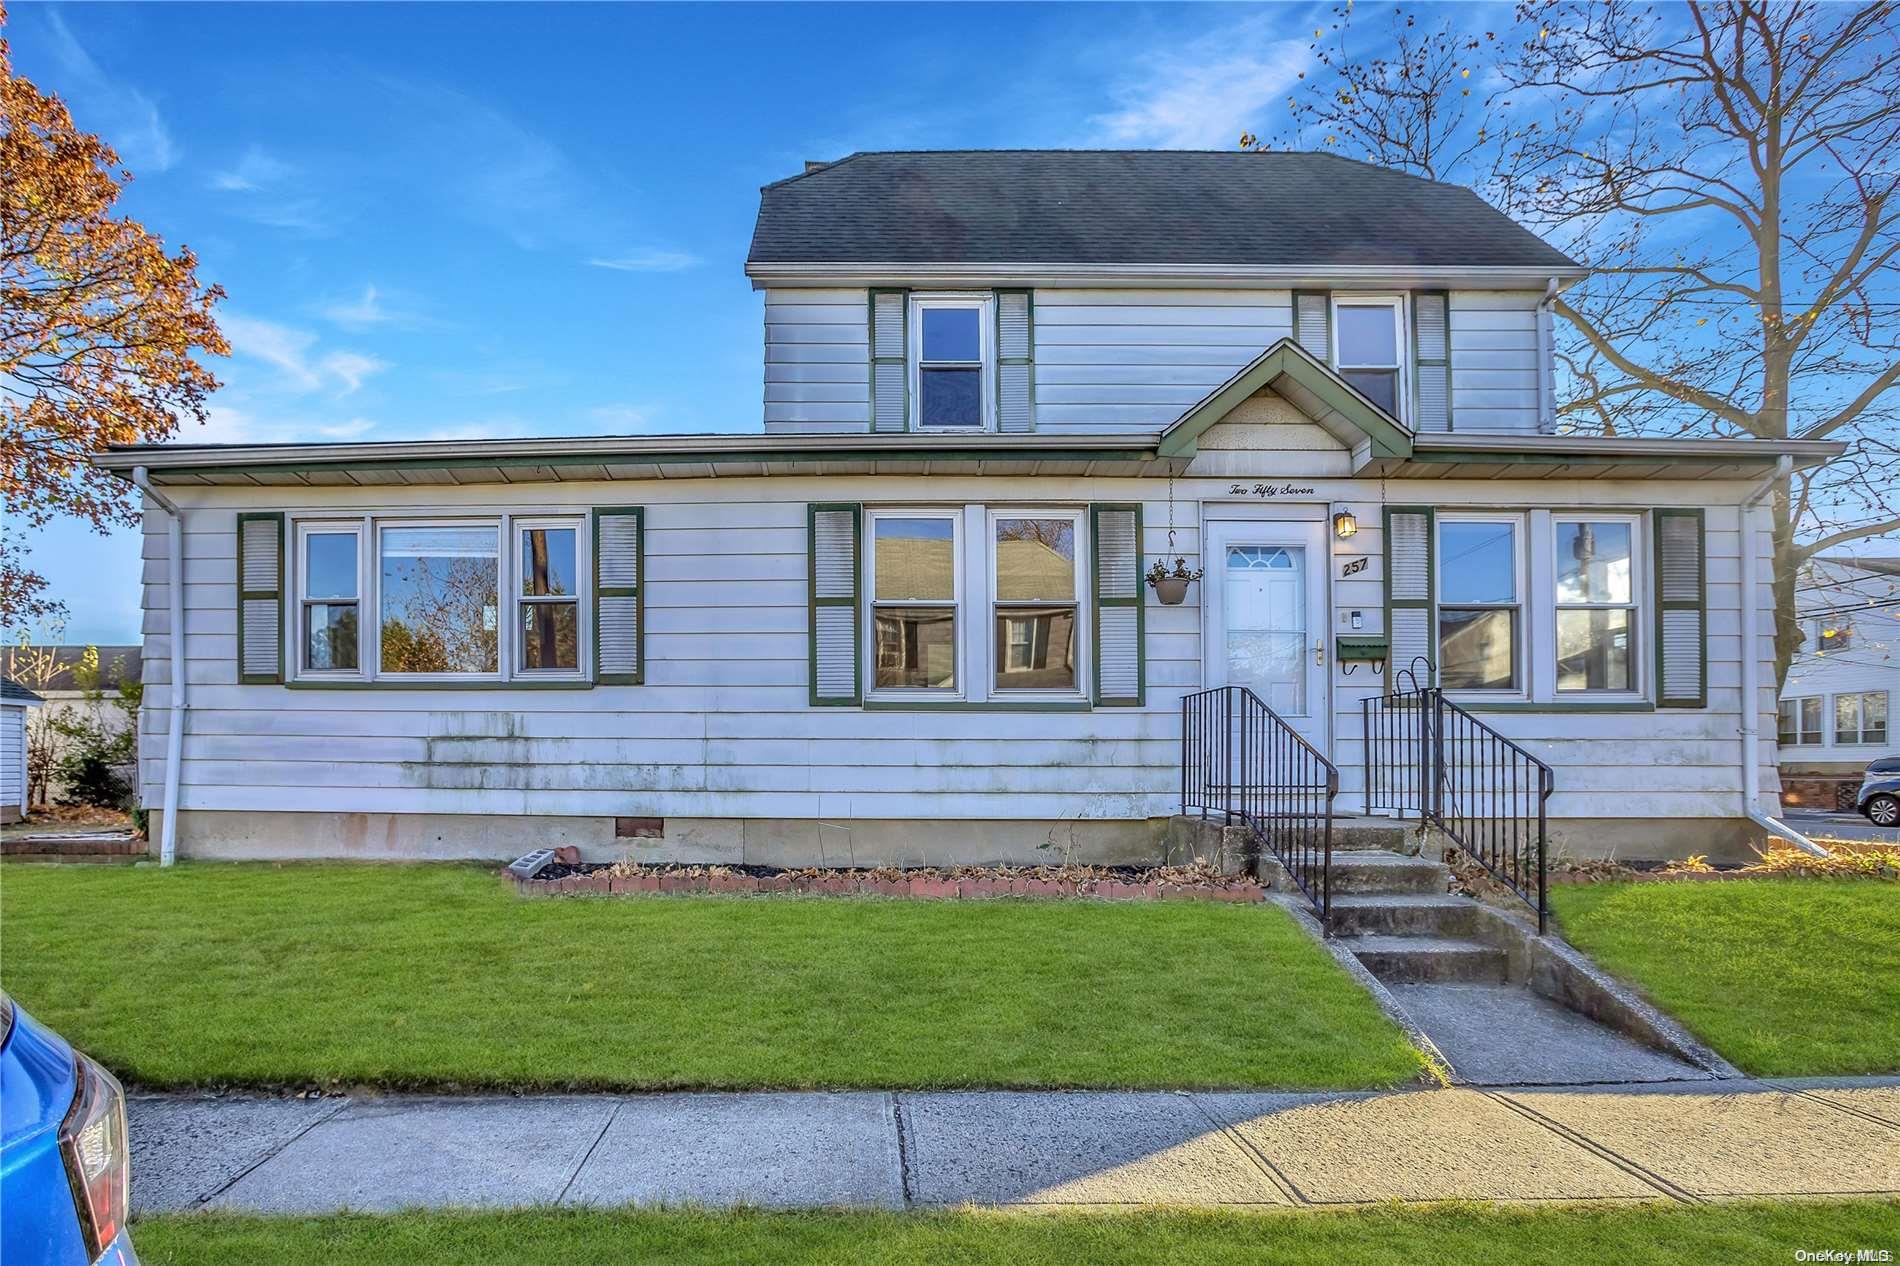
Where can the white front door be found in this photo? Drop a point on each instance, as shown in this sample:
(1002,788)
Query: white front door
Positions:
(1265,592)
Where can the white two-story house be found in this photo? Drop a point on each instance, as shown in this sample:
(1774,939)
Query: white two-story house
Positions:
(1844,679)
(902,617)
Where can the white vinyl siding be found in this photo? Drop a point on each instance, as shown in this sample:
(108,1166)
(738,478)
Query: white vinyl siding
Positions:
(725,727)
(1494,360)
(817,357)
(13,755)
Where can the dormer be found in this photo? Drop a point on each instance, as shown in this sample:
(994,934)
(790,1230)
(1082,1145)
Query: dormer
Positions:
(1110,291)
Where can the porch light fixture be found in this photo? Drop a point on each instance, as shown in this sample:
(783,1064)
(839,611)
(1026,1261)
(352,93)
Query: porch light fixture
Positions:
(1345,526)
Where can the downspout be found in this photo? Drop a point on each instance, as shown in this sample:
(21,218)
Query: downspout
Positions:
(1546,372)
(1751,675)
(175,600)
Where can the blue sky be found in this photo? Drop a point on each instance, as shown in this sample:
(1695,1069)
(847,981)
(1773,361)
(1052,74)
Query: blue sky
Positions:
(451,220)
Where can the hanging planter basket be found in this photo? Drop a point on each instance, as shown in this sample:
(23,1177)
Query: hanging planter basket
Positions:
(1171,585)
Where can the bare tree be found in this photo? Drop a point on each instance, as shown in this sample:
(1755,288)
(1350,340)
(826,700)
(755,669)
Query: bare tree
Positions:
(1729,171)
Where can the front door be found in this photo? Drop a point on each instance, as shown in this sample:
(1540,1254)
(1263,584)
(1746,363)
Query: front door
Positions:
(1265,592)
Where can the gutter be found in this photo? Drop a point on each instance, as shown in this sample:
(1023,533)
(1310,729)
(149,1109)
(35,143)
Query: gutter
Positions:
(1546,379)
(175,600)
(1751,674)
(767,273)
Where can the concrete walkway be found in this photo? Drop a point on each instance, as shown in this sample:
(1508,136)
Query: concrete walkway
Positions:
(1671,1140)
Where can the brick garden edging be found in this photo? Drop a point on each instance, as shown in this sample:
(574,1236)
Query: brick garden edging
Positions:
(926,887)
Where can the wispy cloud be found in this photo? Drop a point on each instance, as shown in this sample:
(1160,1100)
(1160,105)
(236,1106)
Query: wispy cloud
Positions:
(253,171)
(365,310)
(351,368)
(233,424)
(648,261)
(1204,93)
(126,117)
(267,190)
(292,353)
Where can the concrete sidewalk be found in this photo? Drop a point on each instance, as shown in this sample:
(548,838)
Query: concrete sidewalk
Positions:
(1684,1141)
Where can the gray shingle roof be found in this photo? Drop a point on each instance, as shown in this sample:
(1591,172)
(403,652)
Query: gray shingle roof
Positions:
(1131,207)
(12,691)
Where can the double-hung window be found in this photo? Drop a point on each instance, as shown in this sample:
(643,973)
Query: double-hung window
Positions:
(1599,589)
(1369,347)
(1480,602)
(1800,722)
(916,587)
(548,582)
(330,606)
(1037,600)
(952,362)
(1861,718)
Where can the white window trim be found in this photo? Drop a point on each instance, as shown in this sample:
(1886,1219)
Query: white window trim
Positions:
(1831,725)
(1402,322)
(959,598)
(369,528)
(983,302)
(517,528)
(1825,734)
(1638,606)
(1525,634)
(1083,633)
(302,529)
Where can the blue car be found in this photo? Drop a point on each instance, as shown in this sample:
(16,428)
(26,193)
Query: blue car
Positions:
(65,1172)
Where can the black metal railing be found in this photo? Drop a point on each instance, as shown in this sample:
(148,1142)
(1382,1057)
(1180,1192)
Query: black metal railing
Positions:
(1428,757)
(1241,760)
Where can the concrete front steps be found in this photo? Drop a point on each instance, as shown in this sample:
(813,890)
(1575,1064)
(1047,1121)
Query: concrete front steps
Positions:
(1394,913)
(22,844)
(1449,965)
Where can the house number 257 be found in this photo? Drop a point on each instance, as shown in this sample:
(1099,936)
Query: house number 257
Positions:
(1354,566)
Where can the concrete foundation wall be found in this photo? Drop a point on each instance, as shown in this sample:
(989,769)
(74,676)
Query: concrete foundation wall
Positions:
(262,835)
(259,835)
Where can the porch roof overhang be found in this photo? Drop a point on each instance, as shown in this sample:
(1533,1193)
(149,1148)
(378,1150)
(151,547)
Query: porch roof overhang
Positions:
(1381,453)
(1493,455)
(1339,408)
(590,458)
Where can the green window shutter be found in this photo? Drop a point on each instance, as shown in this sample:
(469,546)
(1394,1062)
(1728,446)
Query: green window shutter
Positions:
(260,569)
(1313,323)
(1015,361)
(890,372)
(1410,589)
(1682,667)
(620,596)
(837,541)
(1431,360)
(1121,676)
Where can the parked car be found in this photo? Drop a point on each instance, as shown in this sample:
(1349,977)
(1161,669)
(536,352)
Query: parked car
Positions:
(1879,795)
(65,1169)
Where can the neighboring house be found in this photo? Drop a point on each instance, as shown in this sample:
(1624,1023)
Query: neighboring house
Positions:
(906,622)
(54,668)
(1840,689)
(15,699)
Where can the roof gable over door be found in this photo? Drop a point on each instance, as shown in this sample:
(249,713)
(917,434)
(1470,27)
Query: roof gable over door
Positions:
(1366,430)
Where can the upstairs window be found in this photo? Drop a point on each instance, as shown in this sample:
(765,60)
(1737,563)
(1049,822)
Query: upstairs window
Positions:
(950,380)
(1369,347)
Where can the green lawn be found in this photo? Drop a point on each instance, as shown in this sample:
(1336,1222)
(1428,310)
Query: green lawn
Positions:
(1471,1236)
(437,976)
(1785,977)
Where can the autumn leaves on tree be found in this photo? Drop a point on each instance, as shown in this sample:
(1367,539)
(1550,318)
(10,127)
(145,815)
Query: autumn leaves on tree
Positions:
(102,331)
